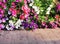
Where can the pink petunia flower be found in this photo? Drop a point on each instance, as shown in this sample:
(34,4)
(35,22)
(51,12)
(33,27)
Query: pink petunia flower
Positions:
(13,5)
(22,17)
(25,9)
(3,5)
(18,0)
(56,16)
(43,23)
(4,1)
(25,1)
(28,1)
(0,3)
(1,13)
(26,15)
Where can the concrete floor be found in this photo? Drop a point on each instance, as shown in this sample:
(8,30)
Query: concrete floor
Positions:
(40,36)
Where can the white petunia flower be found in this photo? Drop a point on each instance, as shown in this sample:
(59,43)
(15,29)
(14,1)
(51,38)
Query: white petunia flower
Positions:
(18,23)
(11,28)
(51,5)
(49,8)
(9,12)
(7,27)
(11,23)
(32,0)
(31,4)
(38,12)
(36,9)
(48,12)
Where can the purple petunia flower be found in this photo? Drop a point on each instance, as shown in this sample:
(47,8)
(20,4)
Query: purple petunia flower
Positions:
(1,16)
(7,18)
(25,24)
(2,26)
(3,20)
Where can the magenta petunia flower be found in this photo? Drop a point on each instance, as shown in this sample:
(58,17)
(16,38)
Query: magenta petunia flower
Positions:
(58,7)
(43,23)
(1,13)
(3,5)
(0,3)
(13,11)
(18,0)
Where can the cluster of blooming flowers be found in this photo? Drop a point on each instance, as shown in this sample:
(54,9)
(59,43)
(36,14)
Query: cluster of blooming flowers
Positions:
(15,16)
(22,14)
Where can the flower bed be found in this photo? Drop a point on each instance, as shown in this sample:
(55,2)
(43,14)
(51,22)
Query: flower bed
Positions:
(29,14)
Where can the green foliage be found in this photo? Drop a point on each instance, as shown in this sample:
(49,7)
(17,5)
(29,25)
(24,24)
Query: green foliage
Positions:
(43,5)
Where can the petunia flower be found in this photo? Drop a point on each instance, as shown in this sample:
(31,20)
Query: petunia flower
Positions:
(2,26)
(11,23)
(4,1)
(22,16)
(25,1)
(56,16)
(13,5)
(3,20)
(28,1)
(58,7)
(13,12)
(26,9)
(53,25)
(9,12)
(3,5)
(0,2)
(27,15)
(18,23)
(18,0)
(1,15)
(9,28)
